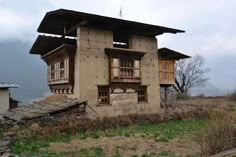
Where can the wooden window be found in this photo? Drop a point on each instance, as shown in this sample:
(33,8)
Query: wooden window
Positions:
(103,94)
(58,71)
(166,68)
(125,68)
(142,94)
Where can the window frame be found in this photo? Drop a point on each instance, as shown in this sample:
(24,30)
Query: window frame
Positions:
(62,69)
(120,77)
(106,89)
(52,71)
(142,98)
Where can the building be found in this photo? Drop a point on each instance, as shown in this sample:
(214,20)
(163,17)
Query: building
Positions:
(167,58)
(113,63)
(6,102)
(13,103)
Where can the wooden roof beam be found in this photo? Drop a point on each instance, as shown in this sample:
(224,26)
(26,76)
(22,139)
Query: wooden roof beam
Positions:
(72,29)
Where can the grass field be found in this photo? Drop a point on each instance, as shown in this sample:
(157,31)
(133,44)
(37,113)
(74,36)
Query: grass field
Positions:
(174,138)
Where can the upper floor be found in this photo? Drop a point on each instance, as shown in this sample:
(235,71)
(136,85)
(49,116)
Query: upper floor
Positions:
(124,44)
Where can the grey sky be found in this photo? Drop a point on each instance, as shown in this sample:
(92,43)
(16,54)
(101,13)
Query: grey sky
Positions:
(209,25)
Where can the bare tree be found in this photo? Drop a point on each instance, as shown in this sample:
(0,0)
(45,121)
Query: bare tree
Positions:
(190,73)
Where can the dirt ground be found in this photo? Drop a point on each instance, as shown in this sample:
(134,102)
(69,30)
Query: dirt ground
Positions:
(128,146)
(219,102)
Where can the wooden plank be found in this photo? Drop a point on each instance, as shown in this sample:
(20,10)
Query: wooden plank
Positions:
(166,71)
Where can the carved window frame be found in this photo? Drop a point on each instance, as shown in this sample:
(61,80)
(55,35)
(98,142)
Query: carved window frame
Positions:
(142,94)
(125,68)
(103,95)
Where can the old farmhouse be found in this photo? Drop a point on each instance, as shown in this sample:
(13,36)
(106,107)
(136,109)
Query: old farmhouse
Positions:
(113,63)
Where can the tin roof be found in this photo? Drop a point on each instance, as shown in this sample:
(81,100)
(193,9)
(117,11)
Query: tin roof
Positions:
(4,85)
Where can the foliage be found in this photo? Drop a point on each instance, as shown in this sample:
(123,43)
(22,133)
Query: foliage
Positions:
(232,96)
(218,135)
(190,73)
(182,96)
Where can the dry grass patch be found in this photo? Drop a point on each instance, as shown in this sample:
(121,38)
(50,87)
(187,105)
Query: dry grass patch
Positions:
(127,146)
(218,135)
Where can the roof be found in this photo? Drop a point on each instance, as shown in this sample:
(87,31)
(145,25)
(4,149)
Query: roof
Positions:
(14,101)
(44,44)
(4,85)
(165,53)
(43,108)
(55,22)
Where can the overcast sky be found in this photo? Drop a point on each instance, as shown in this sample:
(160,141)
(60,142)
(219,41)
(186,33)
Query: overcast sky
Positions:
(209,25)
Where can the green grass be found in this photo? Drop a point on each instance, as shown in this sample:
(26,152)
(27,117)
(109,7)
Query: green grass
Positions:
(33,144)
(163,132)
(168,130)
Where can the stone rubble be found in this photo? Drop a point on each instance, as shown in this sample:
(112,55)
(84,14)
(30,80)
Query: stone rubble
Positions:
(5,143)
(38,112)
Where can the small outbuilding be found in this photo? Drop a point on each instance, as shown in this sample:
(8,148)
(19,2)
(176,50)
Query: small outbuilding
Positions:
(6,102)
(167,58)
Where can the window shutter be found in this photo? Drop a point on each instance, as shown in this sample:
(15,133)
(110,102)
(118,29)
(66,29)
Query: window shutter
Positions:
(115,67)
(137,69)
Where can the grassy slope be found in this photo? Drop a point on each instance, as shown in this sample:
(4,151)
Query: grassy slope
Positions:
(158,132)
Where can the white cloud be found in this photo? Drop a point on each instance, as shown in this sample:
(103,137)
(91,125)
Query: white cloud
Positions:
(208,24)
(14,24)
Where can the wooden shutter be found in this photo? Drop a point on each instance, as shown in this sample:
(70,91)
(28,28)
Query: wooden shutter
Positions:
(137,69)
(115,67)
(166,69)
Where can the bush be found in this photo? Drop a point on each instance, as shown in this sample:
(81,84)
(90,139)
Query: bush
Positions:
(200,96)
(218,135)
(182,96)
(232,96)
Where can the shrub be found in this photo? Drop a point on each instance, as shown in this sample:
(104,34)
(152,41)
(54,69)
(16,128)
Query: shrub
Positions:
(218,135)
(182,96)
(200,96)
(232,96)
